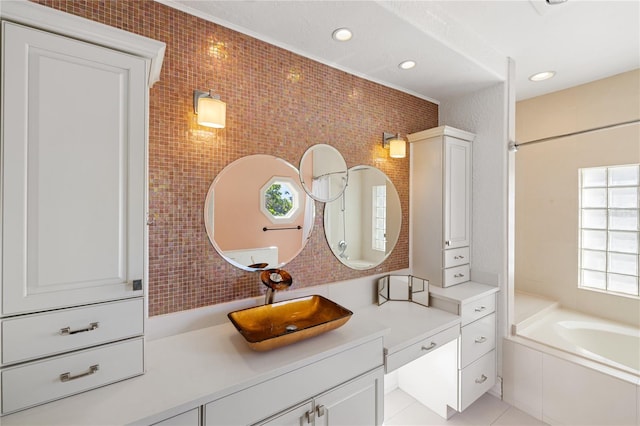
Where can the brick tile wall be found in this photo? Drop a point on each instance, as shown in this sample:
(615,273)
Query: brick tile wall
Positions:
(278,103)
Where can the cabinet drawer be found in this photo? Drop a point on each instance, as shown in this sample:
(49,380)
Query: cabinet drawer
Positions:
(477,339)
(455,275)
(456,257)
(415,351)
(42,381)
(476,379)
(477,309)
(35,336)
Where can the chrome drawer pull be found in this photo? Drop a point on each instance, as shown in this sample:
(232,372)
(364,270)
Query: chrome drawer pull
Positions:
(481,308)
(481,339)
(447,243)
(458,276)
(67,330)
(482,379)
(320,410)
(66,377)
(458,257)
(431,346)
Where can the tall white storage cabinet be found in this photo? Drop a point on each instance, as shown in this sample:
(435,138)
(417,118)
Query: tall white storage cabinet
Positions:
(440,205)
(74,130)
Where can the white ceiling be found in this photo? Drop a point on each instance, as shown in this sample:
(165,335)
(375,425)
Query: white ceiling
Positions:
(459,46)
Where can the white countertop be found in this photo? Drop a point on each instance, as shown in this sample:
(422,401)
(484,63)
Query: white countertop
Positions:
(197,367)
(408,322)
(463,293)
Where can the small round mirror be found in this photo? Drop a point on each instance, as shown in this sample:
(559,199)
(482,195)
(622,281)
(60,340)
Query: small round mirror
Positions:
(256,214)
(323,173)
(363,226)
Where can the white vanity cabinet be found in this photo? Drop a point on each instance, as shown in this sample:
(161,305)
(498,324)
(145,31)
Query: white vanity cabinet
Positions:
(343,389)
(476,305)
(74,130)
(357,402)
(440,205)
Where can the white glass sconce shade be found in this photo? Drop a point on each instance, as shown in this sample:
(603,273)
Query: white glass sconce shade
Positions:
(211,111)
(396,145)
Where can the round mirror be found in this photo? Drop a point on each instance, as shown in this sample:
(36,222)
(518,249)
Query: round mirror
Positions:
(323,173)
(256,214)
(362,227)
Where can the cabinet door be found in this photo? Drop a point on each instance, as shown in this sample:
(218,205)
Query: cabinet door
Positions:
(296,416)
(358,402)
(188,418)
(73,171)
(457,193)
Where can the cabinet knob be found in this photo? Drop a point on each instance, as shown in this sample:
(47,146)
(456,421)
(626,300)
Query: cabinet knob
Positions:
(480,308)
(320,410)
(481,379)
(458,276)
(447,243)
(458,257)
(481,339)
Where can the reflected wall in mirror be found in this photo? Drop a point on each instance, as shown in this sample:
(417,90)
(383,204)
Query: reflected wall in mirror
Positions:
(256,214)
(362,226)
(323,173)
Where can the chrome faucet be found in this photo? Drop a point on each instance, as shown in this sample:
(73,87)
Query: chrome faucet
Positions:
(275,279)
(342,246)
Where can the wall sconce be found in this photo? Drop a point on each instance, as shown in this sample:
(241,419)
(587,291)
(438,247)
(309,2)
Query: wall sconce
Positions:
(397,146)
(211,111)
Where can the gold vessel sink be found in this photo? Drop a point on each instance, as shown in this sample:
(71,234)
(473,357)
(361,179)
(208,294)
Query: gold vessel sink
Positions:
(279,324)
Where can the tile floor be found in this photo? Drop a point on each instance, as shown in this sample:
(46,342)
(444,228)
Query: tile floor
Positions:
(400,409)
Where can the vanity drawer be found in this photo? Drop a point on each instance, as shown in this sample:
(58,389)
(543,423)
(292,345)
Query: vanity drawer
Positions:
(476,339)
(477,309)
(50,333)
(455,275)
(456,257)
(415,351)
(476,379)
(42,381)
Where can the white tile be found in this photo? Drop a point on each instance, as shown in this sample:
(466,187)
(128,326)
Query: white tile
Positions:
(396,401)
(522,378)
(486,410)
(402,410)
(418,414)
(578,395)
(515,417)
(638,405)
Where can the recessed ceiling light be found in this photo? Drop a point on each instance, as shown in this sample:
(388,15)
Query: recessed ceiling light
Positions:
(541,76)
(342,34)
(407,65)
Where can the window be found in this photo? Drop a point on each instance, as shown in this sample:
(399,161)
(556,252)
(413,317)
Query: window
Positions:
(280,200)
(379,199)
(609,245)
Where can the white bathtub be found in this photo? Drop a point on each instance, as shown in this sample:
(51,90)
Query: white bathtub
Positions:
(606,342)
(567,368)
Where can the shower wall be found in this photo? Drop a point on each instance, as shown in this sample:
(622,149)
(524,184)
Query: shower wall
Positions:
(547,186)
